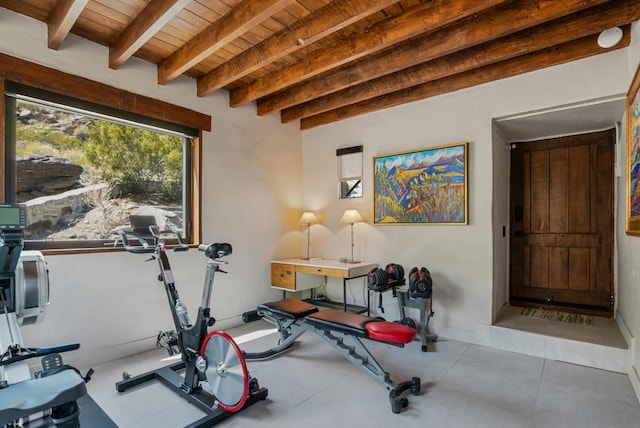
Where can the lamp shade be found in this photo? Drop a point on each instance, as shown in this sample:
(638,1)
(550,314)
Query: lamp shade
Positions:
(351,216)
(308,218)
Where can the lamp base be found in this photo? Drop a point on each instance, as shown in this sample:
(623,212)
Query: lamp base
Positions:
(352,262)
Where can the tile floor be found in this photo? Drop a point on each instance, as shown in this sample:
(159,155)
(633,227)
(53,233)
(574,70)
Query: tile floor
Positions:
(463,385)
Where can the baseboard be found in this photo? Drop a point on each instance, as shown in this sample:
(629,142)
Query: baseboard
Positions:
(635,381)
(624,329)
(634,358)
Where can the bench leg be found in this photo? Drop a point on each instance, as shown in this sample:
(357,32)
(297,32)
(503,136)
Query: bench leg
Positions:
(360,356)
(288,330)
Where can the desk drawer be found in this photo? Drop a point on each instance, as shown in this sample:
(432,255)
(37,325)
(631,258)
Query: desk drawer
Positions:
(312,270)
(283,276)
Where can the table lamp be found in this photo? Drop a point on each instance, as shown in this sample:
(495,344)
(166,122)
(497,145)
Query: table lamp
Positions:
(351,216)
(308,218)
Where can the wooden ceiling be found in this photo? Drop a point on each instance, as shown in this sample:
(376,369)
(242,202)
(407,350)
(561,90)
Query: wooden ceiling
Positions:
(321,61)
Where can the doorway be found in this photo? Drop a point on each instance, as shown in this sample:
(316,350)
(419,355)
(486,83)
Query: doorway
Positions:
(561,223)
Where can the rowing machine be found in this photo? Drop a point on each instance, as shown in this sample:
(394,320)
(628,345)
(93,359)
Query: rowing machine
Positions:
(51,393)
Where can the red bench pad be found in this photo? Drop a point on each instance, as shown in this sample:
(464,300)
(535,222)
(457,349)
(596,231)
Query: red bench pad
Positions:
(390,332)
(362,326)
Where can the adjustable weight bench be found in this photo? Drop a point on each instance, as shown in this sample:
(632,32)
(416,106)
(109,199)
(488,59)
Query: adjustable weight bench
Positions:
(342,330)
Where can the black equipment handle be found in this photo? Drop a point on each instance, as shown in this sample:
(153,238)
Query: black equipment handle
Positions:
(130,248)
(156,234)
(181,245)
(56,349)
(26,353)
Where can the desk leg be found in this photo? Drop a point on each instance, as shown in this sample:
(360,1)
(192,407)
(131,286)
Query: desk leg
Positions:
(344,293)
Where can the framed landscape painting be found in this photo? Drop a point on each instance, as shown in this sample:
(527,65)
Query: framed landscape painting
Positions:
(633,156)
(427,186)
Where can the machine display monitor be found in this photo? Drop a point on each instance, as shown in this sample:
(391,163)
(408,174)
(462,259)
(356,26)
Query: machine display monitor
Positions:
(12,217)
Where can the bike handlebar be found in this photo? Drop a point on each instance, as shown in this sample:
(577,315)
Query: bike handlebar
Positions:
(213,251)
(130,248)
(156,234)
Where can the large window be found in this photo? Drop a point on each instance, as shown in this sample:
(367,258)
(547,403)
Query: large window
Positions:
(81,169)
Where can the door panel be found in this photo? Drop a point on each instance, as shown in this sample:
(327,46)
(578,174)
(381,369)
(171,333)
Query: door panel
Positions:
(562,222)
(558,267)
(539,191)
(580,189)
(558,188)
(580,268)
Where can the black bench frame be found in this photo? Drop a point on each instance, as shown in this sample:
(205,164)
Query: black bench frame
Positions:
(345,339)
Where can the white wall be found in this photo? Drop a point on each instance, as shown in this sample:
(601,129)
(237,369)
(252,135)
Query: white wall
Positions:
(462,259)
(251,177)
(628,250)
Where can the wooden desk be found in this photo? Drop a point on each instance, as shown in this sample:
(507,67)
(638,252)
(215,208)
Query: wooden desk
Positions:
(283,276)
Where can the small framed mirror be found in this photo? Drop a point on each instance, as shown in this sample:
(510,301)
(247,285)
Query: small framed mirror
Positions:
(349,172)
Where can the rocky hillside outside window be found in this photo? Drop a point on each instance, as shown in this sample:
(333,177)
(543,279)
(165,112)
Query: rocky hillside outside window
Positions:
(81,174)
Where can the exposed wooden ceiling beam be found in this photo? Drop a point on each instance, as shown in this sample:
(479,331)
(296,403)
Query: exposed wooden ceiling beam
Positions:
(238,21)
(417,20)
(571,51)
(559,31)
(502,21)
(152,18)
(330,18)
(62,19)
(38,76)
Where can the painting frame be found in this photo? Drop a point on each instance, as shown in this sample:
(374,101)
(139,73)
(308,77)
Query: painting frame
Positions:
(632,195)
(426,186)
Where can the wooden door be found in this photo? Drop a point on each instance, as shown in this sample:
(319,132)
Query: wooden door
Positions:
(562,223)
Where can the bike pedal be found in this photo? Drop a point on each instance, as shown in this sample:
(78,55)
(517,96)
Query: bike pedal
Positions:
(254,386)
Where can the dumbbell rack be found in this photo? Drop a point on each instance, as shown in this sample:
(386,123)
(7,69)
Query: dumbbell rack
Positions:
(405,301)
(391,285)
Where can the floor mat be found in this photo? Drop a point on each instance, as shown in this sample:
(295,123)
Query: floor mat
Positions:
(558,316)
(91,415)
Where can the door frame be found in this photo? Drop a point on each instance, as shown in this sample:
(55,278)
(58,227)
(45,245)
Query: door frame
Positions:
(502,131)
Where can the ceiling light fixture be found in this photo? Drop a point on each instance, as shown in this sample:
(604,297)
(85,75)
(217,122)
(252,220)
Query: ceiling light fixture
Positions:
(609,38)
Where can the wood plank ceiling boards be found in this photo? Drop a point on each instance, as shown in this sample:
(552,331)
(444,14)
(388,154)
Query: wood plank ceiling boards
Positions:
(321,61)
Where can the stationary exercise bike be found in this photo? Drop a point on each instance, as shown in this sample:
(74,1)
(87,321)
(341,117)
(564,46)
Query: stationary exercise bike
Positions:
(215,377)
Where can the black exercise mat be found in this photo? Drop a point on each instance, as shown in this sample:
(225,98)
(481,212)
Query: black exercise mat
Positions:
(91,416)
